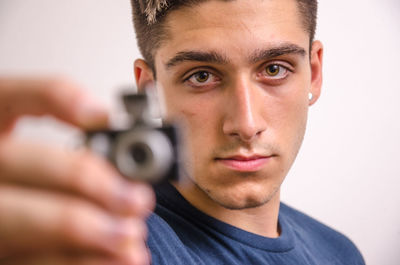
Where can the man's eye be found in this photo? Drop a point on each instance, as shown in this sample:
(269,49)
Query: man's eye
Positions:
(276,71)
(202,78)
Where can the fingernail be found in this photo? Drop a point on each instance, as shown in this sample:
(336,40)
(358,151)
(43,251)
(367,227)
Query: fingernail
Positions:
(122,233)
(139,198)
(115,233)
(137,254)
(125,231)
(131,242)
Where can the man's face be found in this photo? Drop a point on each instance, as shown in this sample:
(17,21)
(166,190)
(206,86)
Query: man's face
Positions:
(237,74)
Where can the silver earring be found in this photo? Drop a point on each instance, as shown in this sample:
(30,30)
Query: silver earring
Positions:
(310,96)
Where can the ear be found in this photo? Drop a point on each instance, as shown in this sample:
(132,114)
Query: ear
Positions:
(145,83)
(316,57)
(143,74)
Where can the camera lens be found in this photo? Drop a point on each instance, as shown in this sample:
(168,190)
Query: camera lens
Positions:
(141,153)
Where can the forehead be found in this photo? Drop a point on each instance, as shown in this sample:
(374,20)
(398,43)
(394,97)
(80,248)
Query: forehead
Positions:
(234,26)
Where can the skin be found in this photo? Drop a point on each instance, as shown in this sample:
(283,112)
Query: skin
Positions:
(51,214)
(234,100)
(50,211)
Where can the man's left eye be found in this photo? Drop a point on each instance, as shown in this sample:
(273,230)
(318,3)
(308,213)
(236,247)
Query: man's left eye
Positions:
(275,71)
(201,77)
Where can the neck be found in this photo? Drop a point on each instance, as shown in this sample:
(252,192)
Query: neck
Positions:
(261,220)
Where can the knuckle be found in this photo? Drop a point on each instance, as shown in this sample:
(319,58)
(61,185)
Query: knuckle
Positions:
(85,226)
(71,220)
(3,200)
(4,154)
(58,83)
(75,222)
(79,176)
(60,89)
(141,228)
(88,175)
(53,86)
(61,92)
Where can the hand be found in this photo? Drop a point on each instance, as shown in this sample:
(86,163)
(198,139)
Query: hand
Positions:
(58,206)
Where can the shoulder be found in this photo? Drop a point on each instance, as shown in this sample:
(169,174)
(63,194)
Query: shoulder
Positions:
(315,234)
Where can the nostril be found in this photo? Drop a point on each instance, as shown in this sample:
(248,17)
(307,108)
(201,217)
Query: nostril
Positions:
(245,131)
(248,136)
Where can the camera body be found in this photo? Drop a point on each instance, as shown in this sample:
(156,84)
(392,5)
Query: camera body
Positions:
(141,151)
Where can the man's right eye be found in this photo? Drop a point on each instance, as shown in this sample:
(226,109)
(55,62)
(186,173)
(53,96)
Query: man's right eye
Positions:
(202,79)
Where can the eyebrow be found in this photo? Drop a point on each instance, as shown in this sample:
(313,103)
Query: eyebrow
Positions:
(217,58)
(207,57)
(265,54)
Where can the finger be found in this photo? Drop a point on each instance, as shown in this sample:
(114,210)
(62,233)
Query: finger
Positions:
(57,259)
(58,97)
(68,259)
(33,220)
(77,172)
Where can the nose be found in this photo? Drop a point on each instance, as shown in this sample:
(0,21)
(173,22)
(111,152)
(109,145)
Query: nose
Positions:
(244,111)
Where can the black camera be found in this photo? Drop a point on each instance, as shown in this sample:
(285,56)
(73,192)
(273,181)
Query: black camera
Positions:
(141,151)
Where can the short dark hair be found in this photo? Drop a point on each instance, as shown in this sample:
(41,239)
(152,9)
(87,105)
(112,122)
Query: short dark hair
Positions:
(149,17)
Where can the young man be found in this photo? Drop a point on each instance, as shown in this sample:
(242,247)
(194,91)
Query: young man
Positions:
(240,75)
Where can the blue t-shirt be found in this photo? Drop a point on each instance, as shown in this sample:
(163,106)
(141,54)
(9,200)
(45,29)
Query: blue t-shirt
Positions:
(179,234)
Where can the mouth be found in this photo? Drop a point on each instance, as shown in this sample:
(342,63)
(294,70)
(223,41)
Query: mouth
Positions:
(241,163)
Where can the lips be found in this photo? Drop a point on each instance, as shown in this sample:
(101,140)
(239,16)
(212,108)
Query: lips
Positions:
(241,163)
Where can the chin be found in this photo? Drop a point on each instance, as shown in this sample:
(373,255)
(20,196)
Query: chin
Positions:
(245,204)
(242,196)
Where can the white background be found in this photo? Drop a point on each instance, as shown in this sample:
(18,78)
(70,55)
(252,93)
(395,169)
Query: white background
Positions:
(348,171)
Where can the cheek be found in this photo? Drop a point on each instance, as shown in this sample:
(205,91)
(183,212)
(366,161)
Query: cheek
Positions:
(200,126)
(194,111)
(198,120)
(291,121)
(199,130)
